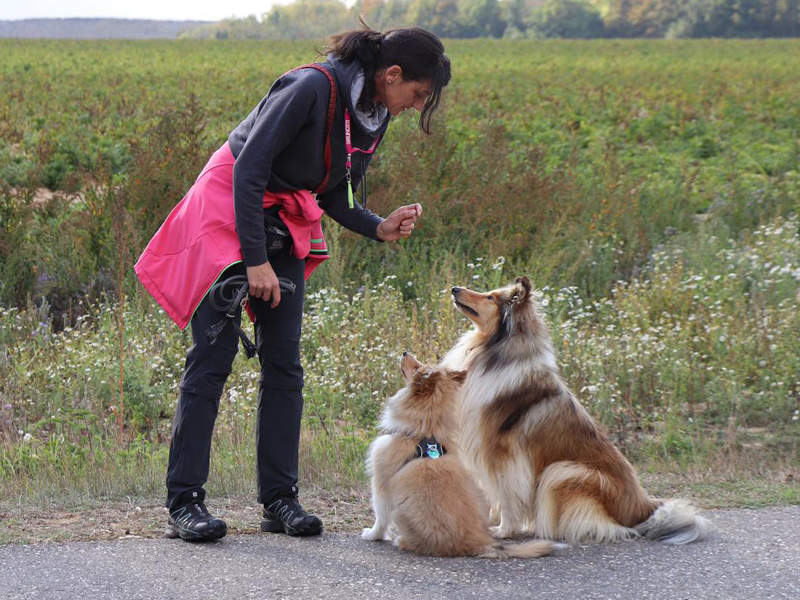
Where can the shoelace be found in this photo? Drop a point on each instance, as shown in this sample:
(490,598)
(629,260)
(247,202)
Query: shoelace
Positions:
(284,512)
(186,514)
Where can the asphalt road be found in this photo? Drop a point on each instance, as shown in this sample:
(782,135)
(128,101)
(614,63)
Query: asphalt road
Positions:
(751,554)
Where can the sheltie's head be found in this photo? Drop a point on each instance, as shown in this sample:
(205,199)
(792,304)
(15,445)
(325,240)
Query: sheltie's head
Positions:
(507,318)
(426,405)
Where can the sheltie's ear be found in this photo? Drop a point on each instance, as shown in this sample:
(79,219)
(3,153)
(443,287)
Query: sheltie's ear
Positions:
(523,290)
(459,376)
(425,380)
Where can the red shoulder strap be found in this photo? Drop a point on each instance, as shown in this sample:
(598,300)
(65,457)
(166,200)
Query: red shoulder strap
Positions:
(329,126)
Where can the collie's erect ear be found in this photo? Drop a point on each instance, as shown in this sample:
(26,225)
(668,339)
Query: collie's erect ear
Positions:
(525,283)
(524,287)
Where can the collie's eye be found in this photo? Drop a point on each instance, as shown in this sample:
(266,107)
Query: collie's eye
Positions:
(490,298)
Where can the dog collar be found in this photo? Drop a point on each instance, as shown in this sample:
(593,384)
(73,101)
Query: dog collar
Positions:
(430,448)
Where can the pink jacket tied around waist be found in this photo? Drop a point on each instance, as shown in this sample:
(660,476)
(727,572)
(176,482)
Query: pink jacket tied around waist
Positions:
(198,240)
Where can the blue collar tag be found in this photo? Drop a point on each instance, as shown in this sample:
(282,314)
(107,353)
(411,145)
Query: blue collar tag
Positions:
(432,451)
(430,448)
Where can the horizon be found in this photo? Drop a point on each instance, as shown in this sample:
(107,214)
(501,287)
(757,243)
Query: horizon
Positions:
(150,10)
(114,19)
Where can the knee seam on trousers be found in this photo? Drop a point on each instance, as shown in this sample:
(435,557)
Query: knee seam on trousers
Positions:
(274,386)
(206,395)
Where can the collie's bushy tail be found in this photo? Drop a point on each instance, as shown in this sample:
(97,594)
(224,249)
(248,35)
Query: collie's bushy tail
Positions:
(674,522)
(528,549)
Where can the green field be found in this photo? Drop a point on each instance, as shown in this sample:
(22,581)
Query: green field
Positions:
(650,189)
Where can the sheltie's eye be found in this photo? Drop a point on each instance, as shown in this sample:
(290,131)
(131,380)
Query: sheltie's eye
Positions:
(490,298)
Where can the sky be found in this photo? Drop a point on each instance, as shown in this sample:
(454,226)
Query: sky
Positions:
(178,10)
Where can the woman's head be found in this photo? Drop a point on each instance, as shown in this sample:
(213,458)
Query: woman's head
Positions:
(403,68)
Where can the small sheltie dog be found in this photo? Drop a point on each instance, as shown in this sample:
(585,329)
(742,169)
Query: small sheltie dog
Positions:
(423,497)
(542,459)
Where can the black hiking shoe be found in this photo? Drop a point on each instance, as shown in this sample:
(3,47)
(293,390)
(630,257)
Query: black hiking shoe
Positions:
(193,523)
(285,515)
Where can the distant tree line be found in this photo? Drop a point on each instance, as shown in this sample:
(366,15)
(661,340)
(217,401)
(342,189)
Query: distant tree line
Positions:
(132,29)
(306,19)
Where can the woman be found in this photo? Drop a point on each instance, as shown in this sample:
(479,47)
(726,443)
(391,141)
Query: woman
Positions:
(315,131)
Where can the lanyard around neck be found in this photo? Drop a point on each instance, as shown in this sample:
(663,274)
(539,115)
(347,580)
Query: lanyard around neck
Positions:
(348,166)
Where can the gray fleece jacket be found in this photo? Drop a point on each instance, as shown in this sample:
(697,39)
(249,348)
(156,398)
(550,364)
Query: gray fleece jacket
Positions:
(279,147)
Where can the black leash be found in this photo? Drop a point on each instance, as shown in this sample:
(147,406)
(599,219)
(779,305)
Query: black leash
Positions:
(228,296)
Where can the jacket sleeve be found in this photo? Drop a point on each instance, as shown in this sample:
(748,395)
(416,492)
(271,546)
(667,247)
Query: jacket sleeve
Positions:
(277,119)
(357,219)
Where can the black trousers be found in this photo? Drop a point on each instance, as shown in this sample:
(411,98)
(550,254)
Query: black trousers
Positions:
(280,395)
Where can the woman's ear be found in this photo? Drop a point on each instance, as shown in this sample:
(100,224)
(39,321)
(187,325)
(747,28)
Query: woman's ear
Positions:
(393,73)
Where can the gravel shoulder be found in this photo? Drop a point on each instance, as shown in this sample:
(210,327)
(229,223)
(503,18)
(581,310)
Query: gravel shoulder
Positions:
(348,511)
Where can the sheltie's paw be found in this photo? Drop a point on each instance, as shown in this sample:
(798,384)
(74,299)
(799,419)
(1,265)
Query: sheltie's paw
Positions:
(372,534)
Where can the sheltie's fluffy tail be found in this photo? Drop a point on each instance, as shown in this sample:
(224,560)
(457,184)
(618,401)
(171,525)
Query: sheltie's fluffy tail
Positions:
(674,522)
(528,549)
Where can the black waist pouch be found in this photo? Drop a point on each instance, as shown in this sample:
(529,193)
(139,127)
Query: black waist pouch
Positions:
(278,236)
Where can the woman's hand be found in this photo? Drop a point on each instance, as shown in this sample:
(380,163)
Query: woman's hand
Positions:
(264,283)
(400,223)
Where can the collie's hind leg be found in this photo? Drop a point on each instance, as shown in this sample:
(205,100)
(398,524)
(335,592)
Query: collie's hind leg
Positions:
(567,507)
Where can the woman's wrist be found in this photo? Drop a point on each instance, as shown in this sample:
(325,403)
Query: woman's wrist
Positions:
(379,233)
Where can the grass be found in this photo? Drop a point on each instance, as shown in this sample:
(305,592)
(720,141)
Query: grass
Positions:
(699,416)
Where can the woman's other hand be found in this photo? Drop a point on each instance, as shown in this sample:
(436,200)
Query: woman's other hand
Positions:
(264,283)
(400,223)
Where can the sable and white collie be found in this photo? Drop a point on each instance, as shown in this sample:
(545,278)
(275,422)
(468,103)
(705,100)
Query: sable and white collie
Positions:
(542,459)
(422,495)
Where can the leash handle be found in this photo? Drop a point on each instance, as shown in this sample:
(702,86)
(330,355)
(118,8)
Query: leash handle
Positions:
(287,286)
(230,294)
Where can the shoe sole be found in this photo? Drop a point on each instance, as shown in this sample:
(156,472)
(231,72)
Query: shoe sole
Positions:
(174,532)
(278,526)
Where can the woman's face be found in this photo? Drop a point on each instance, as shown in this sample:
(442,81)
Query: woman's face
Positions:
(398,94)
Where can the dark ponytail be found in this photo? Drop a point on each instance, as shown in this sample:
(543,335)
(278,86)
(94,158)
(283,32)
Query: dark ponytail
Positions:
(419,53)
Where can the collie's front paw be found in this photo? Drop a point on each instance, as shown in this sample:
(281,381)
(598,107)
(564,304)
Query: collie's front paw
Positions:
(372,534)
(501,533)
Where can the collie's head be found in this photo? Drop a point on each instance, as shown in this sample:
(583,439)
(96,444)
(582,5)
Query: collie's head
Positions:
(425,407)
(508,322)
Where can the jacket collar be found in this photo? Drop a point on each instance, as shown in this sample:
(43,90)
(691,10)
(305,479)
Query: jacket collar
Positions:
(350,80)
